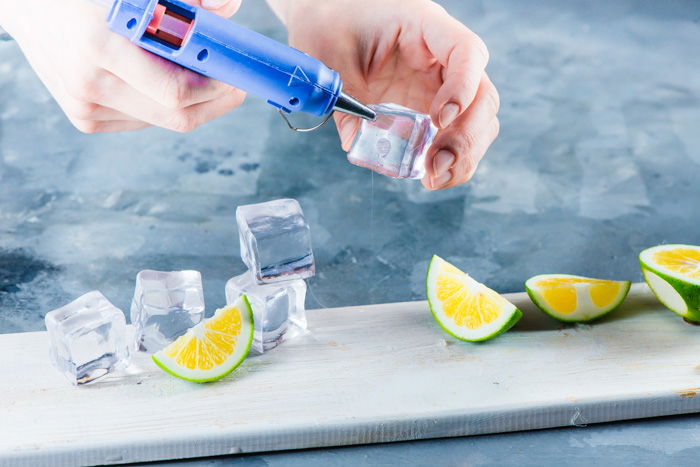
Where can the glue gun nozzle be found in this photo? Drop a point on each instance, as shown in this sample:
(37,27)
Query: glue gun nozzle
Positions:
(348,104)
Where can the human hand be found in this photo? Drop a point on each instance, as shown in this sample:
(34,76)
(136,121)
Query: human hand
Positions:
(413,53)
(105,83)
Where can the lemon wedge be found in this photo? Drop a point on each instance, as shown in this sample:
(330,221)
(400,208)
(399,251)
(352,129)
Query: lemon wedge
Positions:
(465,308)
(575,298)
(673,274)
(213,348)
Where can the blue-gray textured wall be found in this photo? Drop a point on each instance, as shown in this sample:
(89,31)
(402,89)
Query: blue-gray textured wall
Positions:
(598,158)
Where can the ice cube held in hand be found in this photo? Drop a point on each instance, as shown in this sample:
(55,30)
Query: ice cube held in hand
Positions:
(278,309)
(275,241)
(88,338)
(165,306)
(395,144)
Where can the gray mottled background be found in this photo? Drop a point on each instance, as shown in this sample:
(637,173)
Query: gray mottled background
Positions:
(598,158)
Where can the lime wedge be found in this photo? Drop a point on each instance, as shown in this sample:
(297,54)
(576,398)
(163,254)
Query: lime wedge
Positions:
(575,299)
(673,274)
(465,308)
(213,348)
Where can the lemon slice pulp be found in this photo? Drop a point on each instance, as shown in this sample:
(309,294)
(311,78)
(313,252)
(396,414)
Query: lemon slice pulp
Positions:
(464,307)
(673,274)
(575,298)
(213,348)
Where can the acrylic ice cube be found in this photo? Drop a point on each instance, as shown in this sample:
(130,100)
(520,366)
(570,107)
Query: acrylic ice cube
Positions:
(395,144)
(88,338)
(275,241)
(278,309)
(165,306)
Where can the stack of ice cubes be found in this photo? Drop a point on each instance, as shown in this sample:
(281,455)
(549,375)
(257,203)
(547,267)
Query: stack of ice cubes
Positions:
(88,336)
(276,247)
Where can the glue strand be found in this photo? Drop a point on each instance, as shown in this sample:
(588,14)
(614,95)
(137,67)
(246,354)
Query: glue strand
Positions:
(371,224)
(311,292)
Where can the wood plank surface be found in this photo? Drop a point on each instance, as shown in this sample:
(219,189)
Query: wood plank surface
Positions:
(363,375)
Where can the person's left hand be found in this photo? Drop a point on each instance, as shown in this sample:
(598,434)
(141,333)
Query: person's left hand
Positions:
(103,82)
(413,53)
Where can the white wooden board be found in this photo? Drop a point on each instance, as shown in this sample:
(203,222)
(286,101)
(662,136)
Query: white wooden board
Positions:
(365,375)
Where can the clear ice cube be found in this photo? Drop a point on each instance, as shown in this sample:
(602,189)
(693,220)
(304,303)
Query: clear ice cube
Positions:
(278,309)
(165,306)
(275,241)
(88,338)
(395,144)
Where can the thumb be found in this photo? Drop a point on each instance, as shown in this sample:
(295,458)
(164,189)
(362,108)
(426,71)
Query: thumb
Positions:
(348,125)
(223,8)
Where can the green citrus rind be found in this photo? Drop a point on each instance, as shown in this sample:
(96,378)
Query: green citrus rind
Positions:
(687,291)
(599,313)
(512,316)
(248,343)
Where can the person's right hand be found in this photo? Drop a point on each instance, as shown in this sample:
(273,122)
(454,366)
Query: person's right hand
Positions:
(412,53)
(105,83)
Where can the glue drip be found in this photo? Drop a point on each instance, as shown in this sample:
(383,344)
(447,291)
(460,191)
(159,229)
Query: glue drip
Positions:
(311,292)
(371,222)
(310,288)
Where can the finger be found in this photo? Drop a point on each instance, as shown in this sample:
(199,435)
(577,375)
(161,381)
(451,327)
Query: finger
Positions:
(112,126)
(466,140)
(189,118)
(163,81)
(463,170)
(223,8)
(79,110)
(113,93)
(348,126)
(466,164)
(75,110)
(463,56)
(465,132)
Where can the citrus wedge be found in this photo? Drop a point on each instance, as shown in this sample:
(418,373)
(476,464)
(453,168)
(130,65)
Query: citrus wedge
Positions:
(673,274)
(213,348)
(575,299)
(465,308)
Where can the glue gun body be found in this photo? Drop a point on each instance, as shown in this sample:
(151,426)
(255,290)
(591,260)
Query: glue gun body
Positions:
(218,48)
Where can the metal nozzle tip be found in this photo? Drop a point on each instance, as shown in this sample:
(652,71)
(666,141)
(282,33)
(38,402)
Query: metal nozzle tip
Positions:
(348,104)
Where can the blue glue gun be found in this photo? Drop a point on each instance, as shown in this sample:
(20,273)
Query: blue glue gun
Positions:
(215,47)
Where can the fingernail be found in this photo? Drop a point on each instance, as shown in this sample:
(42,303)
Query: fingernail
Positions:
(448,114)
(214,4)
(443,161)
(441,180)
